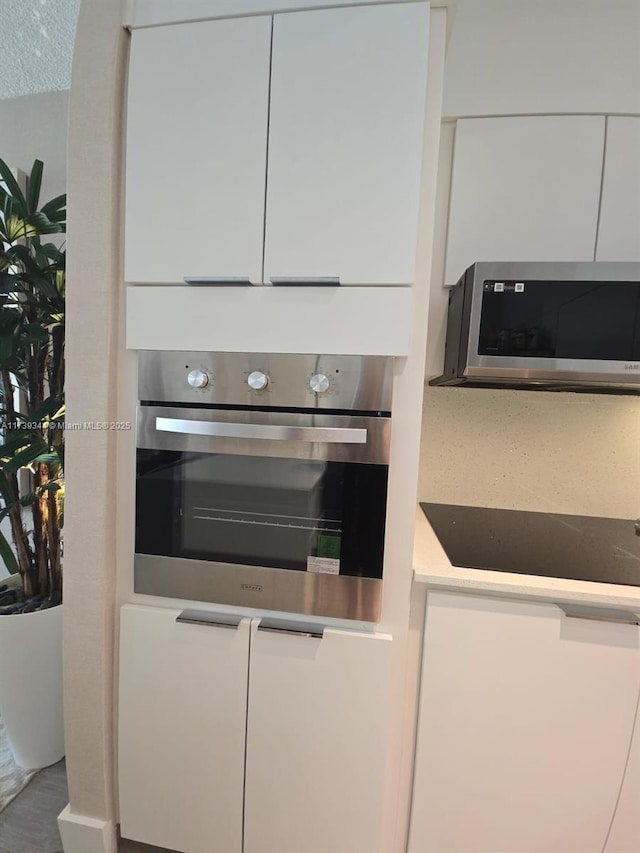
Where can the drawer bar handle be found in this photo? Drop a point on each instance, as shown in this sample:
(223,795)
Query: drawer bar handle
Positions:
(600,614)
(308,281)
(203,617)
(220,280)
(285,626)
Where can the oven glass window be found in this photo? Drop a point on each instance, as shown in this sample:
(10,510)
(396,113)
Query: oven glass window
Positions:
(262,511)
(561,319)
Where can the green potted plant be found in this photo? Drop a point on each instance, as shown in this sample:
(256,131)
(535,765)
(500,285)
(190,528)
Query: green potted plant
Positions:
(32,312)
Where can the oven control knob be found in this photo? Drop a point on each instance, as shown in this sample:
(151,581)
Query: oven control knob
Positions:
(197,379)
(257,380)
(319,383)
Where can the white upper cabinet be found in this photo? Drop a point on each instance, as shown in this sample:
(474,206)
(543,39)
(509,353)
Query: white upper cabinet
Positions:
(524,189)
(324,115)
(525,724)
(196,150)
(619,232)
(345,143)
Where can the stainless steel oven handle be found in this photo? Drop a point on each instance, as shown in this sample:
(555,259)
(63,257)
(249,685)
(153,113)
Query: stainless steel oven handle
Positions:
(268,432)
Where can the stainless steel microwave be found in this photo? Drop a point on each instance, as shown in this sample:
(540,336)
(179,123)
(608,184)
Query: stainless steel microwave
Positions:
(573,326)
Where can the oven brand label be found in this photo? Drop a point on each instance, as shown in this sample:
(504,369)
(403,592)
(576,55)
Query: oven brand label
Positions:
(323,564)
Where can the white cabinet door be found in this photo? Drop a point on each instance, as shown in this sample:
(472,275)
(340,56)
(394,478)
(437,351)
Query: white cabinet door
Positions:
(625,829)
(345,143)
(524,189)
(196,150)
(181,736)
(619,232)
(524,727)
(317,738)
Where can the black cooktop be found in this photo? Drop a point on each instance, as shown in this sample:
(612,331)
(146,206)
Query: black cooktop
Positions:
(577,547)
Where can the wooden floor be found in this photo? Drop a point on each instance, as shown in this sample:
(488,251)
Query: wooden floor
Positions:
(29,824)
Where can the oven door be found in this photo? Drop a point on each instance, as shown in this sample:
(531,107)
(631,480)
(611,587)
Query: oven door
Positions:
(268,509)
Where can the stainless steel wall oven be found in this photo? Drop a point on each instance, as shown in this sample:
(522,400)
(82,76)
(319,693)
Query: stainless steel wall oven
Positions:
(262,480)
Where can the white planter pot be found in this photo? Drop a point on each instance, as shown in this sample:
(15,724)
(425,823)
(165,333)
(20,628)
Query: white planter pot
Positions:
(31,686)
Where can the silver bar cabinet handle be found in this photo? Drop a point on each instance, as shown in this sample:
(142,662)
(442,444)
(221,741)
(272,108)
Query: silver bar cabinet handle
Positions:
(289,626)
(203,617)
(600,614)
(312,280)
(268,432)
(208,280)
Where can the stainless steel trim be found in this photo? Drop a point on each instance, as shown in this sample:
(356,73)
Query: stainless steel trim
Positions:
(583,372)
(266,432)
(203,617)
(356,382)
(564,270)
(599,614)
(556,370)
(288,626)
(320,280)
(231,280)
(263,588)
(219,434)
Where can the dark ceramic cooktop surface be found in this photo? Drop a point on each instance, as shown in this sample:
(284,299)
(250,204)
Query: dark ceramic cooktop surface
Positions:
(577,547)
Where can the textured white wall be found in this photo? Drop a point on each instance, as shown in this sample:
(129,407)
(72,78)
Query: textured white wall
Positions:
(36,45)
(511,57)
(35,126)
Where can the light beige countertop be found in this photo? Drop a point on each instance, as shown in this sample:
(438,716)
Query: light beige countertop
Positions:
(432,567)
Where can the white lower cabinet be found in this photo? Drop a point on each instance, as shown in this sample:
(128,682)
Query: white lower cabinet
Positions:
(316,742)
(525,725)
(625,829)
(227,733)
(181,731)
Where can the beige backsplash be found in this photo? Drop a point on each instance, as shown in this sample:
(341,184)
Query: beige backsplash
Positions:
(540,451)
